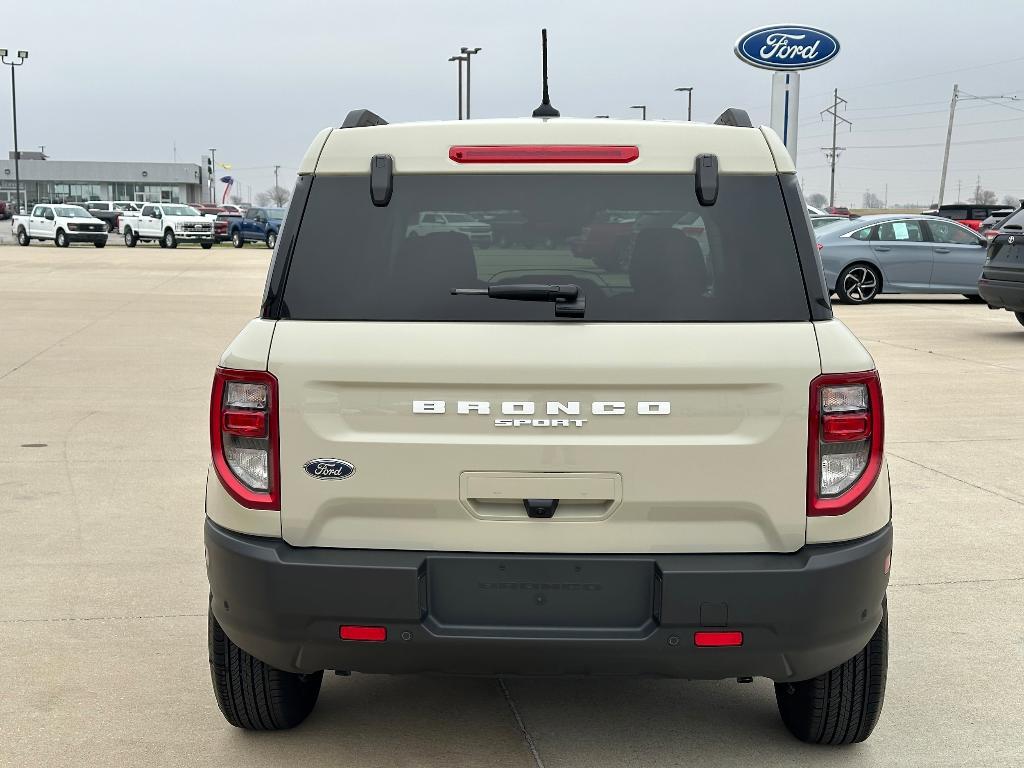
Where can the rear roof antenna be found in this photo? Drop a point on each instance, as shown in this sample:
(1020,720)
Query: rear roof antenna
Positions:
(545,109)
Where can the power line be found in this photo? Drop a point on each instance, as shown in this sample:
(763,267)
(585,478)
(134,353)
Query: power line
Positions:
(926,76)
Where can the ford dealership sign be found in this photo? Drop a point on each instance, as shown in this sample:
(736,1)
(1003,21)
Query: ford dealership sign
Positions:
(787,48)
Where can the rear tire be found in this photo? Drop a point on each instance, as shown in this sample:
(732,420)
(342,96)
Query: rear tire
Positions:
(23,238)
(110,226)
(842,705)
(61,239)
(100,244)
(271,240)
(130,238)
(858,284)
(236,239)
(253,695)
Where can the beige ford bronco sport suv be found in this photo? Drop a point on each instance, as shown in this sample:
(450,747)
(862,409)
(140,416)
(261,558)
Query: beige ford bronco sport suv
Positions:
(625,437)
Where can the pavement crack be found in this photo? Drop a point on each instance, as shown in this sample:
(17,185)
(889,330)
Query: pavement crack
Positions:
(103,618)
(958,479)
(957,581)
(527,737)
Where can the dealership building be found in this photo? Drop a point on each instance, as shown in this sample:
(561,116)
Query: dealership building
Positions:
(73,181)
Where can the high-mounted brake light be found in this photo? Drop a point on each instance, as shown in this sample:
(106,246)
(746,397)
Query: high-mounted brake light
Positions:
(844,441)
(244,436)
(545,153)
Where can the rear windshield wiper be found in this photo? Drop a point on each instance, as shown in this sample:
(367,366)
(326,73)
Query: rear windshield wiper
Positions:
(568,299)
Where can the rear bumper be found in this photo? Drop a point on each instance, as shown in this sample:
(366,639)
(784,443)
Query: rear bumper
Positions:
(1002,294)
(464,613)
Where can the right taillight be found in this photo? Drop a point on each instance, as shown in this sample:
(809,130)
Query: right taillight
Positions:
(845,440)
(244,437)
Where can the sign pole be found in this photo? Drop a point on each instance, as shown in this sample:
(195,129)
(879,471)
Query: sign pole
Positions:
(785,117)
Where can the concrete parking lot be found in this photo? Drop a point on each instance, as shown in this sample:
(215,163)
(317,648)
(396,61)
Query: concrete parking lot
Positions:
(105,365)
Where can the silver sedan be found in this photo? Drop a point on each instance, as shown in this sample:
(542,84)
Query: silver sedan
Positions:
(900,254)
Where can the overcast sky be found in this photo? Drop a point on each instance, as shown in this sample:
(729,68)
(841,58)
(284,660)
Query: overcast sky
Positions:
(257,79)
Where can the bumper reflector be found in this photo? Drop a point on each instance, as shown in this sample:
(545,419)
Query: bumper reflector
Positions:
(367,634)
(717,639)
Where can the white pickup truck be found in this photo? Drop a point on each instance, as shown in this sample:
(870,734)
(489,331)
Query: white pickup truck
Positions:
(64,224)
(168,224)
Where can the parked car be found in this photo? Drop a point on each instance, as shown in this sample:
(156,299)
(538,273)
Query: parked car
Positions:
(1002,279)
(811,210)
(419,464)
(839,211)
(899,254)
(6,210)
(168,224)
(110,211)
(969,214)
(208,210)
(478,232)
(990,226)
(258,225)
(232,208)
(63,224)
(820,221)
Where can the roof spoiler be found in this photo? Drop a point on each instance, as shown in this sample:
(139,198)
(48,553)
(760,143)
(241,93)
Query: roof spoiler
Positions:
(362,118)
(737,118)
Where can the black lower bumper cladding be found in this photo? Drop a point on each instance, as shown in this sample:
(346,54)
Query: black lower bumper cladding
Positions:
(800,614)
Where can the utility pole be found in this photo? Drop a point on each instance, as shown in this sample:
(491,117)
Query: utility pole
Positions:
(949,138)
(213,176)
(959,95)
(959,194)
(276,185)
(833,153)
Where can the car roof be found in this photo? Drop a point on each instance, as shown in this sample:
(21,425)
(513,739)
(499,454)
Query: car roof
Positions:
(665,146)
(879,218)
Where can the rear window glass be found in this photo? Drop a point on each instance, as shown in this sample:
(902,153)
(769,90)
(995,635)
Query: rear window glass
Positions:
(1015,219)
(639,246)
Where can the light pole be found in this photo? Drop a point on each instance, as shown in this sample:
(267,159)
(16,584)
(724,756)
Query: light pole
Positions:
(460,59)
(467,52)
(689,101)
(213,176)
(641,107)
(22,55)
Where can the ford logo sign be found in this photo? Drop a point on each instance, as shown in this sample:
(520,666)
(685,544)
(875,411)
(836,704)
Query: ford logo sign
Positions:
(329,469)
(787,48)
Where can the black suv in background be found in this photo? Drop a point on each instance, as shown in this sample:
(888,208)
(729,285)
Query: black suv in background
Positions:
(1002,277)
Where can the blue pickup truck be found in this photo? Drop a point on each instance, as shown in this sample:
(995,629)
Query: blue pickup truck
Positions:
(258,225)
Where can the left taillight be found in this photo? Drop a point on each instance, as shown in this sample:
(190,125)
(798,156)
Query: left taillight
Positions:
(244,437)
(845,440)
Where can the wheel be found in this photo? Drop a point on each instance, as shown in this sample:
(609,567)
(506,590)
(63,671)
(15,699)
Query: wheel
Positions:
(169,240)
(206,246)
(858,284)
(254,695)
(110,226)
(271,240)
(842,705)
(1020,317)
(23,238)
(100,243)
(236,239)
(62,239)
(974,298)
(130,238)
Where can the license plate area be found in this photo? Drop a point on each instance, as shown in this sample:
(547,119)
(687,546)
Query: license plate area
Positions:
(482,595)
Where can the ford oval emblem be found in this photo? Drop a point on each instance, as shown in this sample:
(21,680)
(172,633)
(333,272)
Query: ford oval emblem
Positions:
(329,469)
(787,47)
